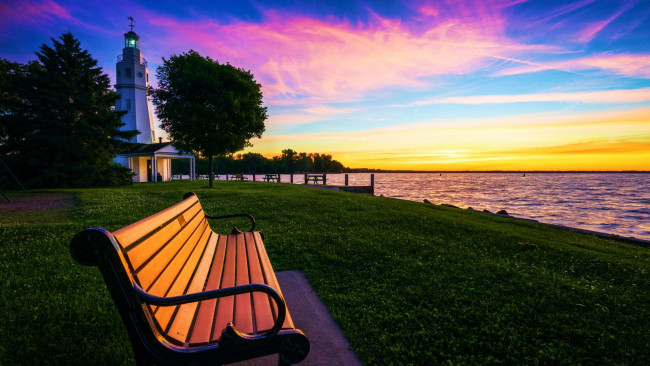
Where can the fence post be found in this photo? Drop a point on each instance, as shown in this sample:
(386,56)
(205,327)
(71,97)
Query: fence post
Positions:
(253,177)
(324,179)
(305,178)
(346,179)
(291,178)
(372,181)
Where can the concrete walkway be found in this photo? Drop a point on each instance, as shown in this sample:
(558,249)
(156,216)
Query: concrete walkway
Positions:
(328,345)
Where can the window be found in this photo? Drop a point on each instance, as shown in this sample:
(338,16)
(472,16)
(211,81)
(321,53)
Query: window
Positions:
(147,77)
(119,73)
(128,72)
(128,104)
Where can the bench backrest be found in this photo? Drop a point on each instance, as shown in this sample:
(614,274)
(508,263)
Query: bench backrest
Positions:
(163,251)
(158,253)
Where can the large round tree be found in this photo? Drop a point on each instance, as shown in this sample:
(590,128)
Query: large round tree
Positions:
(208,108)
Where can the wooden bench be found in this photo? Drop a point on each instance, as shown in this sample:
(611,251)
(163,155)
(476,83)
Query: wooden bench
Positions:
(315,178)
(272,177)
(190,296)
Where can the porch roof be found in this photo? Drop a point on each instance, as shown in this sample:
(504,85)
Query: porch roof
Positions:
(157,149)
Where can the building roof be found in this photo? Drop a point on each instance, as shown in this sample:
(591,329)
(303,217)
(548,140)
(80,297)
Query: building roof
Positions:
(138,149)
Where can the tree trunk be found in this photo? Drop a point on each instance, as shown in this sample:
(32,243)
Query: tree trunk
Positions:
(211,184)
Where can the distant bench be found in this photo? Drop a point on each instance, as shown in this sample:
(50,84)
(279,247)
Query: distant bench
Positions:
(180,176)
(190,296)
(271,177)
(315,178)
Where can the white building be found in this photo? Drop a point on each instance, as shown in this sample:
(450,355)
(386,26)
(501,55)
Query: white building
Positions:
(144,156)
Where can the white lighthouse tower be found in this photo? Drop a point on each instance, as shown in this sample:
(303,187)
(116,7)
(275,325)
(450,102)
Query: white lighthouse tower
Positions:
(132,83)
(148,159)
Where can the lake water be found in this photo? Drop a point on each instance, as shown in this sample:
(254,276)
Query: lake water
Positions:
(613,203)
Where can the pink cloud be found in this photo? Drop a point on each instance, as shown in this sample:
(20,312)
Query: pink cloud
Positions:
(631,65)
(297,57)
(33,12)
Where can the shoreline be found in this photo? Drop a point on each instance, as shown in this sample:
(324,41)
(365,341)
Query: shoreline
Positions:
(600,234)
(628,230)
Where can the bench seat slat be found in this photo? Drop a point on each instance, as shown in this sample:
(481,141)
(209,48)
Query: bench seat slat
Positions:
(132,233)
(269,274)
(202,328)
(264,318)
(225,305)
(243,312)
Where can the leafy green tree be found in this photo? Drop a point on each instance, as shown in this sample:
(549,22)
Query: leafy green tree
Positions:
(289,158)
(59,127)
(208,108)
(253,163)
(257,163)
(304,163)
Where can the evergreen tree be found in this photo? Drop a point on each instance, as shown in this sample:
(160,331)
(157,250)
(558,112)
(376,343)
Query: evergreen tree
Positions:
(208,108)
(64,131)
(12,79)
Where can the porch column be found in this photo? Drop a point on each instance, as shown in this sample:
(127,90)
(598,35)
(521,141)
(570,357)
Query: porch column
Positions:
(154,169)
(193,168)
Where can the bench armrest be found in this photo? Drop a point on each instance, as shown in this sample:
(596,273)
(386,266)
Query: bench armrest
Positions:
(213,294)
(235,230)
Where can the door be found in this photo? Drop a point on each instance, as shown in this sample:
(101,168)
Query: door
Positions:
(149,171)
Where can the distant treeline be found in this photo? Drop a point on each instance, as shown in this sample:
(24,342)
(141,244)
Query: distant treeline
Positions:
(289,162)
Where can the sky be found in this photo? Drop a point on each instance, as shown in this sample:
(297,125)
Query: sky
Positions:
(400,85)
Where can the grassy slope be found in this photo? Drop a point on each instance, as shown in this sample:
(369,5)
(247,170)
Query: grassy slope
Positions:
(409,283)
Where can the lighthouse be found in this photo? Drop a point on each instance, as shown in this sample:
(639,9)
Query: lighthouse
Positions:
(132,81)
(148,159)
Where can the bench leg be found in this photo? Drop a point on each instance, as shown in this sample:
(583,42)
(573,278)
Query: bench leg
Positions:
(293,350)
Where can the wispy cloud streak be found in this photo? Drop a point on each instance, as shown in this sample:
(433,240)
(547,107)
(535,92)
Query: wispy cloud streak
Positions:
(631,65)
(593,29)
(606,96)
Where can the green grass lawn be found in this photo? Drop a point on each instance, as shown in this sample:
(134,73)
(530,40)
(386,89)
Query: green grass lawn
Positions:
(408,282)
